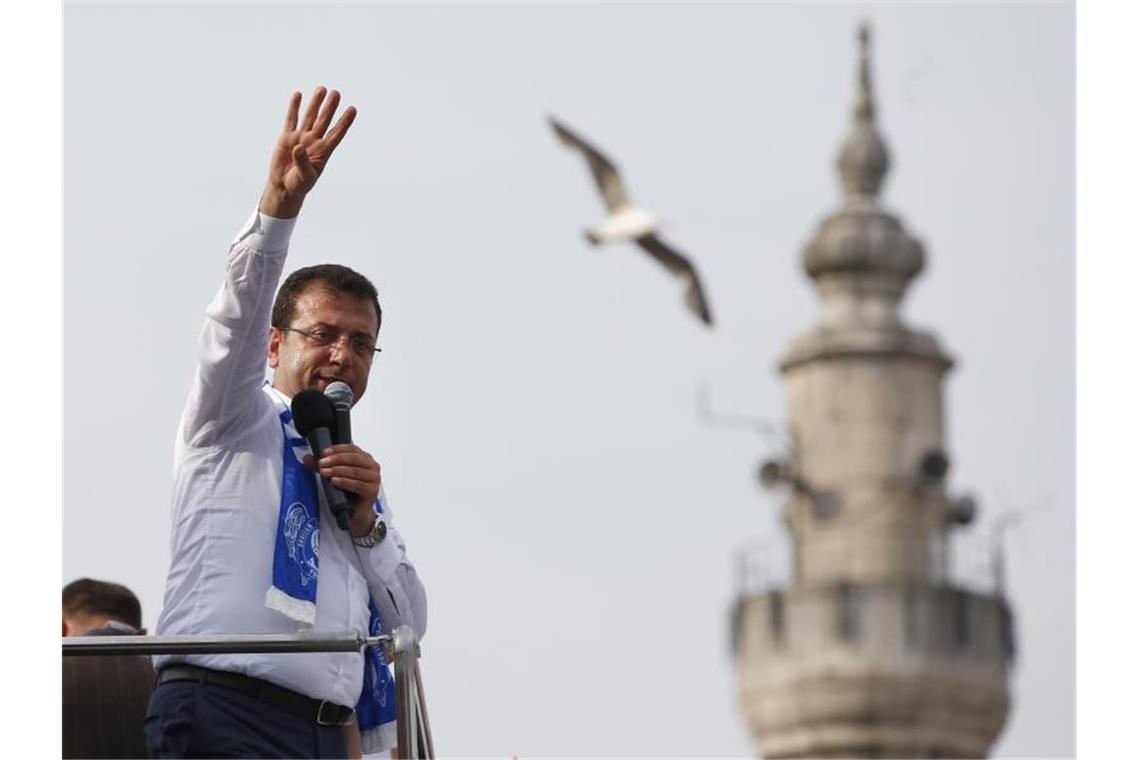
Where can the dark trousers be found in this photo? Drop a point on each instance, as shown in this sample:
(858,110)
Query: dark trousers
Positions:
(191,719)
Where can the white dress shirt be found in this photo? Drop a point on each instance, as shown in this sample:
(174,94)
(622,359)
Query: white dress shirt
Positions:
(227,497)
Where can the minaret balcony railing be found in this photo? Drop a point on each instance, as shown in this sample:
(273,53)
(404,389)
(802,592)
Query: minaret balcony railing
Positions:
(896,625)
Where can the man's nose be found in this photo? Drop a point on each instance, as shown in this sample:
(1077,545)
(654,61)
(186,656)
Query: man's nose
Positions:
(340,350)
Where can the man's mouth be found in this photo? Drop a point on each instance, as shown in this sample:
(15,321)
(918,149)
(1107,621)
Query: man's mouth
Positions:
(323,381)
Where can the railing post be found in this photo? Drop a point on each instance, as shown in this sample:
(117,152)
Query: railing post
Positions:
(421,710)
(413,737)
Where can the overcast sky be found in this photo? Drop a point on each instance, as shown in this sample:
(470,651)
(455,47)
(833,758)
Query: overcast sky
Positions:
(534,409)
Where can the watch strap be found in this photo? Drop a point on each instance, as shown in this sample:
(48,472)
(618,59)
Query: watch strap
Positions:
(378,533)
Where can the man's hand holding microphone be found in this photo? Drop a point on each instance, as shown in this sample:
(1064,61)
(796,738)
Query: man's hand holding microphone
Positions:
(349,475)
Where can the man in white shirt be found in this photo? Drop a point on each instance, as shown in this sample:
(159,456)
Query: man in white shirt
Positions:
(233,469)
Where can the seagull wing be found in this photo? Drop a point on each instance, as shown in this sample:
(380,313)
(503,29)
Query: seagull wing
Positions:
(683,268)
(604,171)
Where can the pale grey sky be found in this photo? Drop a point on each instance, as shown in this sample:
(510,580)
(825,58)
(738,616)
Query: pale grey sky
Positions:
(534,408)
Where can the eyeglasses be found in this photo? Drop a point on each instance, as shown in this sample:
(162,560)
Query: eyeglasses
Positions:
(327,336)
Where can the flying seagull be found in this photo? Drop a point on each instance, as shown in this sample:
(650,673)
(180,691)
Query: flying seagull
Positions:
(628,222)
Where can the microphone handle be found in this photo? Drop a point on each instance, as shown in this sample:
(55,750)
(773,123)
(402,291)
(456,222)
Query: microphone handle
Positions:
(342,433)
(319,440)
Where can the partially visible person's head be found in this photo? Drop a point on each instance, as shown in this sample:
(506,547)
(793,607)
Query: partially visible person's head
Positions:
(89,604)
(338,311)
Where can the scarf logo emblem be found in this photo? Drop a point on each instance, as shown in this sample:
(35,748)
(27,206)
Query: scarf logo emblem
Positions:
(301,538)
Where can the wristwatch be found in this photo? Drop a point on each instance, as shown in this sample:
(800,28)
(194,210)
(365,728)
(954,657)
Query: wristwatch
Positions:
(374,536)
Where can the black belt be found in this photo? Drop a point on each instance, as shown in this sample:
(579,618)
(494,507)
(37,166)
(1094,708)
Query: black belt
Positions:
(321,712)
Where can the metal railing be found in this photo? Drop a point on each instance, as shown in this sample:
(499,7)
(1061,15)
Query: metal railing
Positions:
(973,561)
(413,734)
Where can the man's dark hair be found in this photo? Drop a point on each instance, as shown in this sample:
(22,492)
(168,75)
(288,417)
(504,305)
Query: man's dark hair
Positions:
(90,597)
(337,278)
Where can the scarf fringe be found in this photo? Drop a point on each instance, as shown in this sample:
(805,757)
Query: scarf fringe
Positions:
(379,739)
(293,608)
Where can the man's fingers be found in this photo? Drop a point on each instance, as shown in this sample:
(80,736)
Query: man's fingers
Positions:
(363,487)
(330,463)
(355,473)
(293,110)
(326,114)
(313,109)
(346,460)
(354,466)
(337,134)
(347,448)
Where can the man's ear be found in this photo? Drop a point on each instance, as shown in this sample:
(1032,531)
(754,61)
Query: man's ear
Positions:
(274,346)
(66,629)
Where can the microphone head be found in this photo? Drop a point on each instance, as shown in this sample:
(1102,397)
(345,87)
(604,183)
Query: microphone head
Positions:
(312,410)
(340,394)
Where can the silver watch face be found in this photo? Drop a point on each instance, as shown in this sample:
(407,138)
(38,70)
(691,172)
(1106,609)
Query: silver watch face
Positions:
(376,535)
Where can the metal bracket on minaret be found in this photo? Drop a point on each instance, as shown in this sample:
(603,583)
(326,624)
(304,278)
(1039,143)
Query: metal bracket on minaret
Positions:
(775,473)
(931,482)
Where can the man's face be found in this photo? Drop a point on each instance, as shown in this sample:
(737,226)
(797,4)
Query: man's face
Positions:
(299,362)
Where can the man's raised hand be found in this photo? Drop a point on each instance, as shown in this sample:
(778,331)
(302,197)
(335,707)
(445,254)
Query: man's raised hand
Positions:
(302,152)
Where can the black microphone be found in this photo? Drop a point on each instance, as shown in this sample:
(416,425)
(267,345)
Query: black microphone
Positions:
(341,397)
(314,417)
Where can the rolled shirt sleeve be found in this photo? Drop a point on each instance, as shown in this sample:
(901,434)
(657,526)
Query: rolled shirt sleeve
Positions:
(393,583)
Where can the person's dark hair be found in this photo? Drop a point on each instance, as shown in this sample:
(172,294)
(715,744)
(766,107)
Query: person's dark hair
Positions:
(337,278)
(90,597)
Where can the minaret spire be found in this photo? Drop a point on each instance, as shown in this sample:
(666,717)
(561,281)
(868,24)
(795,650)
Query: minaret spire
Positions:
(862,259)
(863,159)
(864,106)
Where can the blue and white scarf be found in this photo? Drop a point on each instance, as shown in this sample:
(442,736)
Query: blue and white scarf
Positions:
(294,589)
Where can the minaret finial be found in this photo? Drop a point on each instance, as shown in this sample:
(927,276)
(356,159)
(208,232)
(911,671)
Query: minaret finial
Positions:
(863,160)
(864,105)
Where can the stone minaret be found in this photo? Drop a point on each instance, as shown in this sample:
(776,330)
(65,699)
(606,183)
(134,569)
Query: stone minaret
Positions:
(871,651)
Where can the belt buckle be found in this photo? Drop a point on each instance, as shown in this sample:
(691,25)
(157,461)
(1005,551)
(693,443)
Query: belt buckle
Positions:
(336,720)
